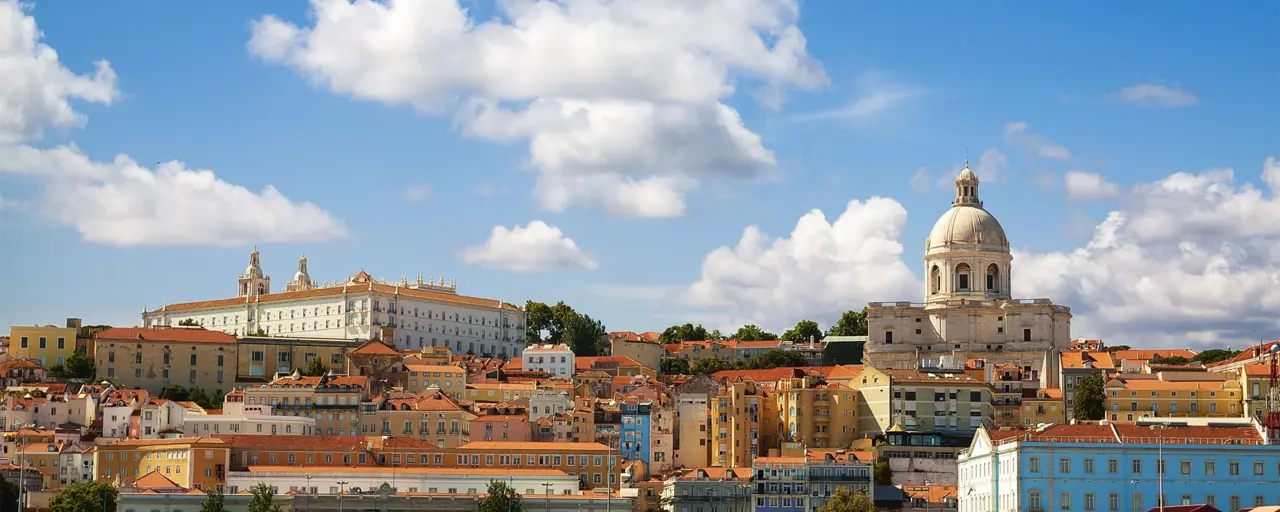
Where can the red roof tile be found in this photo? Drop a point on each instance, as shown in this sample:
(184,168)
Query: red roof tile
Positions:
(170,334)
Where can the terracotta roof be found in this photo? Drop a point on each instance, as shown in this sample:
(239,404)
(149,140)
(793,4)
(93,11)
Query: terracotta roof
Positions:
(1151,354)
(309,382)
(928,377)
(717,473)
(417,470)
(586,363)
(1076,359)
(650,336)
(19,364)
(1256,370)
(930,493)
(299,443)
(428,400)
(845,371)
(1048,394)
(548,347)
(499,446)
(1086,433)
(125,443)
(376,347)
(1260,349)
(1190,385)
(1233,434)
(766,375)
(155,480)
(336,291)
(169,334)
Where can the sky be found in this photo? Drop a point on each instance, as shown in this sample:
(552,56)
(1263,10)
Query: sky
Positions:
(650,162)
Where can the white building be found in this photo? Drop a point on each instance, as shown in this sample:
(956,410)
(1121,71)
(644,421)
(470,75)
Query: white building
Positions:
(366,479)
(240,418)
(968,310)
(160,418)
(414,315)
(556,360)
(119,406)
(546,403)
(77,464)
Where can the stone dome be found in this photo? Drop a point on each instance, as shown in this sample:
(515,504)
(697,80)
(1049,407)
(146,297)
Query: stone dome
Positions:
(967,225)
(253,271)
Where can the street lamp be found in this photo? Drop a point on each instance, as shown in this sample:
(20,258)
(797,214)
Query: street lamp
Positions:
(22,467)
(546,497)
(1160,462)
(342,488)
(307,503)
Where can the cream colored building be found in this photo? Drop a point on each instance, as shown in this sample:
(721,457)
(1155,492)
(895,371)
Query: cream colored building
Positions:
(332,400)
(261,358)
(933,401)
(156,358)
(969,310)
(407,314)
(432,416)
(240,418)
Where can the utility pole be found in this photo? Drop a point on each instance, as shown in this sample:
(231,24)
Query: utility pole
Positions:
(307,503)
(546,497)
(342,488)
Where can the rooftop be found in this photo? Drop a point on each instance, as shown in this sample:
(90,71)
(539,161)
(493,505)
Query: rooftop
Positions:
(169,334)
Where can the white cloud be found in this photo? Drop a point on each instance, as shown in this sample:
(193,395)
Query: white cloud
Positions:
(1086,186)
(619,101)
(818,272)
(1156,96)
(1016,133)
(531,248)
(877,97)
(123,203)
(1191,260)
(1044,180)
(920,181)
(37,90)
(991,165)
(417,193)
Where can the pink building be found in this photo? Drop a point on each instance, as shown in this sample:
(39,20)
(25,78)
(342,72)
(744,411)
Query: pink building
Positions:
(500,427)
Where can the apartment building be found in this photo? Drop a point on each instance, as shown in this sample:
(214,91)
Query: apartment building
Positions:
(935,400)
(432,416)
(1076,365)
(332,400)
(449,378)
(1042,406)
(615,366)
(240,418)
(156,358)
(555,360)
(743,423)
(817,414)
(1134,399)
(595,465)
(708,488)
(499,392)
(260,358)
(47,344)
(191,462)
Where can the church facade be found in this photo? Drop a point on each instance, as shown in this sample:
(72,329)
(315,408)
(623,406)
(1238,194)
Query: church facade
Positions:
(408,315)
(968,310)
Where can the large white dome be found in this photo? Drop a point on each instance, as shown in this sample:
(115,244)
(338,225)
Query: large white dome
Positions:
(969,226)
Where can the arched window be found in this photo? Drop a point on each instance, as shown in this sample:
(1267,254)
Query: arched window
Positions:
(993,278)
(935,280)
(962,277)
(262,289)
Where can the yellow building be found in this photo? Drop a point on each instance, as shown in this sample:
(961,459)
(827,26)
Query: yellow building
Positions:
(1040,406)
(592,463)
(156,358)
(449,378)
(744,423)
(1255,380)
(261,358)
(192,462)
(1134,399)
(432,416)
(332,400)
(48,344)
(360,451)
(933,400)
(820,416)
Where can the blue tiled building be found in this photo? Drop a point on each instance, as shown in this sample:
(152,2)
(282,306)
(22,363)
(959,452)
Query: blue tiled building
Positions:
(634,442)
(1117,467)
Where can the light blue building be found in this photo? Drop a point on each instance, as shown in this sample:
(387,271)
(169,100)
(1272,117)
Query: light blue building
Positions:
(634,442)
(1114,467)
(803,479)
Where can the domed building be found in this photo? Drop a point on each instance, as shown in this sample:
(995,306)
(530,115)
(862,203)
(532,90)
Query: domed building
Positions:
(968,310)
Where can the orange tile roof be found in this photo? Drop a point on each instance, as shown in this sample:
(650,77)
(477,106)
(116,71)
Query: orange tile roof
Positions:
(336,291)
(532,445)
(845,371)
(1142,434)
(298,443)
(766,375)
(1142,354)
(376,347)
(155,480)
(928,377)
(19,364)
(417,470)
(1152,384)
(165,334)
(1256,370)
(1049,394)
(717,473)
(586,362)
(1248,353)
(310,382)
(781,460)
(1076,359)
(930,493)
(428,400)
(203,441)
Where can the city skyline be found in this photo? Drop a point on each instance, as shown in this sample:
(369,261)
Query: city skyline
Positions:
(787,165)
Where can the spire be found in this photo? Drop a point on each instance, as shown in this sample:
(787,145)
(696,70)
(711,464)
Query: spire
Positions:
(967,187)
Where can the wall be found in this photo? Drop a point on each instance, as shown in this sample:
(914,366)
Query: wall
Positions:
(59,342)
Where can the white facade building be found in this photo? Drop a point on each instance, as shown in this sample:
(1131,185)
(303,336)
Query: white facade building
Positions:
(968,310)
(240,418)
(546,403)
(556,360)
(161,417)
(407,314)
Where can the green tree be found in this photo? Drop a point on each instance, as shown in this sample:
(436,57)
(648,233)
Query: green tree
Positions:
(686,332)
(776,359)
(1214,355)
(176,393)
(845,500)
(500,497)
(1090,398)
(8,496)
(199,396)
(259,332)
(851,323)
(315,368)
(582,334)
(212,501)
(882,473)
(78,366)
(1119,347)
(537,319)
(189,322)
(751,332)
(563,325)
(805,331)
(85,497)
(715,335)
(673,366)
(1169,361)
(263,499)
(709,365)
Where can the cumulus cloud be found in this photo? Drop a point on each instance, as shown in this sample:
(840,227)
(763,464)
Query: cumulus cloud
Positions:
(37,90)
(532,248)
(1156,96)
(1084,186)
(1016,133)
(821,270)
(1189,260)
(619,101)
(123,203)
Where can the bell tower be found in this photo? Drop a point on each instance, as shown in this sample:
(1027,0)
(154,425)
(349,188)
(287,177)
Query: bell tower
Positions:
(253,282)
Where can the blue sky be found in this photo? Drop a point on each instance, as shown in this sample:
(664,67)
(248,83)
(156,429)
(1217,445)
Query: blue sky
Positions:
(410,189)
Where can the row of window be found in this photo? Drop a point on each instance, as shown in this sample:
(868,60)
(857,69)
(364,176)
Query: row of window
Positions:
(1035,500)
(165,359)
(43,342)
(1185,466)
